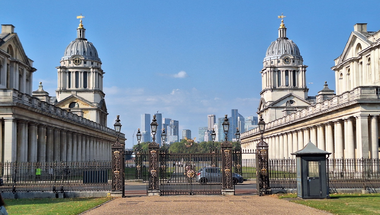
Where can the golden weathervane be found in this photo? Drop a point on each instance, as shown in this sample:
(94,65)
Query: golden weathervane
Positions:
(80,17)
(282,20)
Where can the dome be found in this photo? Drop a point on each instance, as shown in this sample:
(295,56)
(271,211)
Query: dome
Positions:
(280,47)
(83,48)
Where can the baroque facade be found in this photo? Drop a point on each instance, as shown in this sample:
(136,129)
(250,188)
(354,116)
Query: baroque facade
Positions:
(33,126)
(345,124)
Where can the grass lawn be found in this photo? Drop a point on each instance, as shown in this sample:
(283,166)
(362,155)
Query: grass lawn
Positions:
(52,206)
(342,203)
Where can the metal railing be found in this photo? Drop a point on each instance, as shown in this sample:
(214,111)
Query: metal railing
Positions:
(55,176)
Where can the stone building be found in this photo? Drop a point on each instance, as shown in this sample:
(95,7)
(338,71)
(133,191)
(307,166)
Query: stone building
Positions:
(345,124)
(33,126)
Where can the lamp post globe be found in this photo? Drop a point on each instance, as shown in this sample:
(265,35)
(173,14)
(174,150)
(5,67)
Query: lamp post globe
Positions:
(163,136)
(117,125)
(261,125)
(226,126)
(138,135)
(237,134)
(213,135)
(153,127)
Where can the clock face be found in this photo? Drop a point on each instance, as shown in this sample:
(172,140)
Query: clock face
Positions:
(77,61)
(286,60)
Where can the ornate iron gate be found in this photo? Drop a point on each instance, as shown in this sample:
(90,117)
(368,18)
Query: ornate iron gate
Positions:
(190,174)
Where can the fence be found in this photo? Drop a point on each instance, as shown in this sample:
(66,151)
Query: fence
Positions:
(55,176)
(342,173)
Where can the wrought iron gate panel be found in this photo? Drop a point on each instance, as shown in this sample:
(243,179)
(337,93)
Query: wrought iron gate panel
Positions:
(181,170)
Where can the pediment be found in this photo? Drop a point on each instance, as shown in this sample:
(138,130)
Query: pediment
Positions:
(17,48)
(350,49)
(290,100)
(83,103)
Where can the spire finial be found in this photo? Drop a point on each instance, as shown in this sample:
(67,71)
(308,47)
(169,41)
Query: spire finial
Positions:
(282,20)
(80,23)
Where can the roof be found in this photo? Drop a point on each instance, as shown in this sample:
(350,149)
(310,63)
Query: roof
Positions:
(310,149)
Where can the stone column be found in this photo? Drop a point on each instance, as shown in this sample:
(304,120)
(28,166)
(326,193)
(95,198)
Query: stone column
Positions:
(281,142)
(349,140)
(286,145)
(22,141)
(362,136)
(321,137)
(75,146)
(374,138)
(57,144)
(338,139)
(290,145)
(50,145)
(329,139)
(69,154)
(41,146)
(313,135)
(306,136)
(79,147)
(10,140)
(32,142)
(1,134)
(63,145)
(300,139)
(295,142)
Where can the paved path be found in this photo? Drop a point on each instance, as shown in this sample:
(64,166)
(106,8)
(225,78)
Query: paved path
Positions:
(245,204)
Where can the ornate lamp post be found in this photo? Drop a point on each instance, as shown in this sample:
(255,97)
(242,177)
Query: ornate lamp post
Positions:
(213,149)
(153,127)
(237,154)
(227,184)
(138,160)
(163,136)
(226,126)
(262,162)
(153,188)
(118,164)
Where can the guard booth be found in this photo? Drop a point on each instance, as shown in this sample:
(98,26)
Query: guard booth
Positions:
(312,178)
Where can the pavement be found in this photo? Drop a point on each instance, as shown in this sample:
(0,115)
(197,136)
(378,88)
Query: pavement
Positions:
(137,202)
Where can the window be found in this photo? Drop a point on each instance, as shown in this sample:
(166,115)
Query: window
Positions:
(358,48)
(73,104)
(286,78)
(85,80)
(69,80)
(279,78)
(313,169)
(294,78)
(76,79)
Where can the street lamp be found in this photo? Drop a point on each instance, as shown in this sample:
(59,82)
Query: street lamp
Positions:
(213,135)
(138,135)
(237,134)
(163,136)
(153,127)
(261,127)
(226,126)
(117,126)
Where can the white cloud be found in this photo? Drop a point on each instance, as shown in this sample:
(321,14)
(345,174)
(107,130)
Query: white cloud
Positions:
(181,74)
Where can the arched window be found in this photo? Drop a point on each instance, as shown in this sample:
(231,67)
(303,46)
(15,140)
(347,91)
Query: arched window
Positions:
(341,76)
(294,78)
(278,78)
(10,51)
(76,79)
(85,80)
(358,48)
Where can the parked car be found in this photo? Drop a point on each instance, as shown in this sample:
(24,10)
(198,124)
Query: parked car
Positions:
(214,174)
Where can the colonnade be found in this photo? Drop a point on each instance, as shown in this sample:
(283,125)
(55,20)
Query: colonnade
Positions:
(350,137)
(28,141)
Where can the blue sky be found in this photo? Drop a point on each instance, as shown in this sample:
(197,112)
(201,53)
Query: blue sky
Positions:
(185,59)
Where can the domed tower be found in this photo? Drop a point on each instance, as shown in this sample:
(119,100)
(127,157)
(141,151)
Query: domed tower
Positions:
(80,79)
(283,78)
